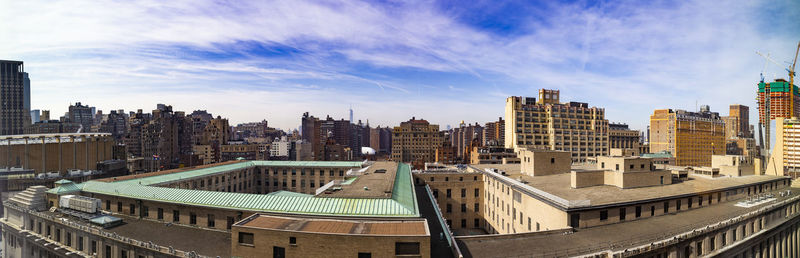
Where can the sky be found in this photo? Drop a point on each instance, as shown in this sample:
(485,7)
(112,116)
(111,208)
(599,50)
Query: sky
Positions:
(443,61)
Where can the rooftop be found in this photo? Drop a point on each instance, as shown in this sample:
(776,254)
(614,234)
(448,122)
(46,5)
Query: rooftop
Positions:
(206,242)
(619,236)
(413,227)
(400,202)
(376,182)
(559,185)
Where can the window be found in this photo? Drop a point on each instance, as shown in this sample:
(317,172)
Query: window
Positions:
(108,204)
(631,167)
(463,223)
(176,215)
(477,192)
(80,243)
(448,193)
(449,208)
(622,214)
(617,167)
(278,252)
(364,255)
(94,247)
(403,248)
(245,238)
(552,160)
(666,207)
(192,218)
(477,223)
(602,165)
(603,215)
(678,204)
(652,211)
(119,206)
(724,238)
(145,212)
(463,192)
(461,178)
(699,248)
(638,211)
(477,206)
(292,240)
(160,214)
(211,222)
(133,208)
(689,203)
(463,208)
(700,201)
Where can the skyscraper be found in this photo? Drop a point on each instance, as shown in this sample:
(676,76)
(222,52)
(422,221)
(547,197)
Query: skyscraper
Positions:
(82,115)
(14,97)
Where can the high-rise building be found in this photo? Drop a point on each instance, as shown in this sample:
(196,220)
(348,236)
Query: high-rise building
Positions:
(494,133)
(784,159)
(462,138)
(415,141)
(742,115)
(82,115)
(116,123)
(691,137)
(45,115)
(14,98)
(35,116)
(778,93)
(380,139)
(622,137)
(548,124)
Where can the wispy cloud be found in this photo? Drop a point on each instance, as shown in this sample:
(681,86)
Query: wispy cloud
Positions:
(250,60)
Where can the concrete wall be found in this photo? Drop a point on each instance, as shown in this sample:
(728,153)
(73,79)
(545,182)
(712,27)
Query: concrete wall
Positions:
(58,156)
(541,162)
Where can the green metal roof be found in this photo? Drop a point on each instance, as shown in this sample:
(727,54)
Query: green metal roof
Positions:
(662,154)
(402,204)
(159,179)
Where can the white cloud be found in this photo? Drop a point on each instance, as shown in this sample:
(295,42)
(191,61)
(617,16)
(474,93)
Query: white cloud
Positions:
(628,58)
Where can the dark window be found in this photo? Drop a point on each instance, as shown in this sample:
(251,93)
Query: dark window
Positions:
(449,208)
(477,192)
(176,215)
(477,223)
(463,208)
(279,252)
(678,204)
(364,255)
(160,214)
(449,193)
(689,203)
(403,248)
(108,204)
(477,206)
(292,240)
(94,247)
(463,223)
(246,238)
(230,223)
(574,221)
(463,192)
(192,218)
(638,211)
(211,222)
(603,215)
(652,211)
(119,206)
(622,214)
(666,207)
(699,248)
(552,160)
(133,208)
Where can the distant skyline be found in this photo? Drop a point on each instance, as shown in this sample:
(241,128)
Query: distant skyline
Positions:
(443,61)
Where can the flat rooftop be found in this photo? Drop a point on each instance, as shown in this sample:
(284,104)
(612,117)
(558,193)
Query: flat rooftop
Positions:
(205,242)
(415,227)
(400,202)
(376,181)
(619,236)
(559,185)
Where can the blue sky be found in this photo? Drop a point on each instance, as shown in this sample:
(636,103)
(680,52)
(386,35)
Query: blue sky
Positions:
(443,61)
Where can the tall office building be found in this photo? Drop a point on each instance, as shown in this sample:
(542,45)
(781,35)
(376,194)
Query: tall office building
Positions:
(14,98)
(462,138)
(778,94)
(741,113)
(785,157)
(548,124)
(35,116)
(415,141)
(691,137)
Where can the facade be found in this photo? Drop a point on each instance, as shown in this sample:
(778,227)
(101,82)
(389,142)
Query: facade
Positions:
(777,95)
(784,159)
(415,141)
(116,123)
(15,96)
(741,128)
(82,115)
(492,155)
(463,138)
(243,151)
(692,137)
(494,133)
(58,153)
(446,154)
(212,211)
(380,139)
(548,124)
(620,136)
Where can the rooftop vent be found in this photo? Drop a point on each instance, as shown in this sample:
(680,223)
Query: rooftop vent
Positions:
(380,171)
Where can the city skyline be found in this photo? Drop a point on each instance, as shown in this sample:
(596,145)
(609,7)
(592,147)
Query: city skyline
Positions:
(391,61)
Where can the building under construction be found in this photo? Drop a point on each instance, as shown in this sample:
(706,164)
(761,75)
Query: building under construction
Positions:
(780,99)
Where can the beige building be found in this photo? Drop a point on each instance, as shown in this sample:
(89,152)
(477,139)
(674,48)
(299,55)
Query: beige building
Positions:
(546,123)
(415,141)
(692,137)
(784,159)
(55,152)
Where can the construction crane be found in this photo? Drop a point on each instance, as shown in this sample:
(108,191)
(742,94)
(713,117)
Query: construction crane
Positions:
(790,70)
